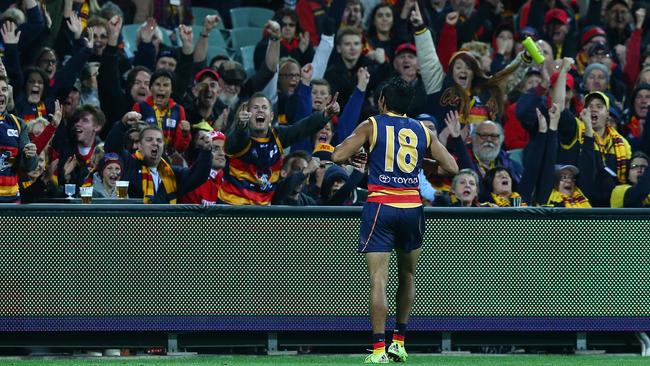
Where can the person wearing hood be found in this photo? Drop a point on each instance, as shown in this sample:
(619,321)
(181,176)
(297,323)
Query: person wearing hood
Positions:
(338,186)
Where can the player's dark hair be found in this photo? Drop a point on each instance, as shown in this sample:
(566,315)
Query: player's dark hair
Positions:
(397,95)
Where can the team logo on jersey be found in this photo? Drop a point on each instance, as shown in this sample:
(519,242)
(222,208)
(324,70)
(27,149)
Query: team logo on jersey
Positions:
(4,157)
(263,181)
(170,123)
(12,132)
(384,178)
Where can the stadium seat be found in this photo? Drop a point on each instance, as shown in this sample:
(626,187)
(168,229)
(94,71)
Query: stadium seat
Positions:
(215,51)
(129,35)
(199,13)
(247,60)
(246,36)
(250,17)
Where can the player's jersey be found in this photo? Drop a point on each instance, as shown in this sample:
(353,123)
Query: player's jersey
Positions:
(397,147)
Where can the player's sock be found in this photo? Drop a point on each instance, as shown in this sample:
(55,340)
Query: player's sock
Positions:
(378,343)
(400,334)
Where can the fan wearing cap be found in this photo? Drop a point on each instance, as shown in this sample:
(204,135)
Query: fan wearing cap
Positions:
(590,36)
(201,99)
(104,178)
(405,63)
(208,192)
(553,184)
(557,30)
(161,110)
(255,147)
(611,150)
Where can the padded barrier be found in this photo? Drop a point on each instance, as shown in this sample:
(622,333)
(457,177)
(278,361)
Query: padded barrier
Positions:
(163,268)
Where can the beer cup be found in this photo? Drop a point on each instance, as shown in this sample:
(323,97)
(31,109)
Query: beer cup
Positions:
(86,194)
(122,188)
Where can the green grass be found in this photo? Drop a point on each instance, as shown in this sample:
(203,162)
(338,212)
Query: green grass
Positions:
(313,360)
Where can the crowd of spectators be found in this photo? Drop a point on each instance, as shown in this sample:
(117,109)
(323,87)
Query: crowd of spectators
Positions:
(81,105)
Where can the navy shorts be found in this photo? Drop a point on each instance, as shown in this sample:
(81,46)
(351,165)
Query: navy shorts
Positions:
(384,228)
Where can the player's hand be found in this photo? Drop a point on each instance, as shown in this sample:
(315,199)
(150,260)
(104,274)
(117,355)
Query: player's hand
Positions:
(359,160)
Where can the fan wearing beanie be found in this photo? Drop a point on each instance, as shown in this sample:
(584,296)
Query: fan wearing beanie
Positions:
(595,78)
(109,171)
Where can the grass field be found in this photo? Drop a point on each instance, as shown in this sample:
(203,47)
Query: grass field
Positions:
(313,360)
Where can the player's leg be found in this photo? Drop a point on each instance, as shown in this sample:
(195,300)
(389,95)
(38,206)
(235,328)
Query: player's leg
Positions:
(408,253)
(406,263)
(376,243)
(378,270)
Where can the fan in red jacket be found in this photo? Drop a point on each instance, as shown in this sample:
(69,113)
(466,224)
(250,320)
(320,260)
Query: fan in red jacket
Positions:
(207,193)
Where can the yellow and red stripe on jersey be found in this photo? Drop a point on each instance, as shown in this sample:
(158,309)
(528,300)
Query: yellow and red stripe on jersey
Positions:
(394,197)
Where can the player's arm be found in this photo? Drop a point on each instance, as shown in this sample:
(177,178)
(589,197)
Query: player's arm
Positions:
(352,143)
(446,163)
